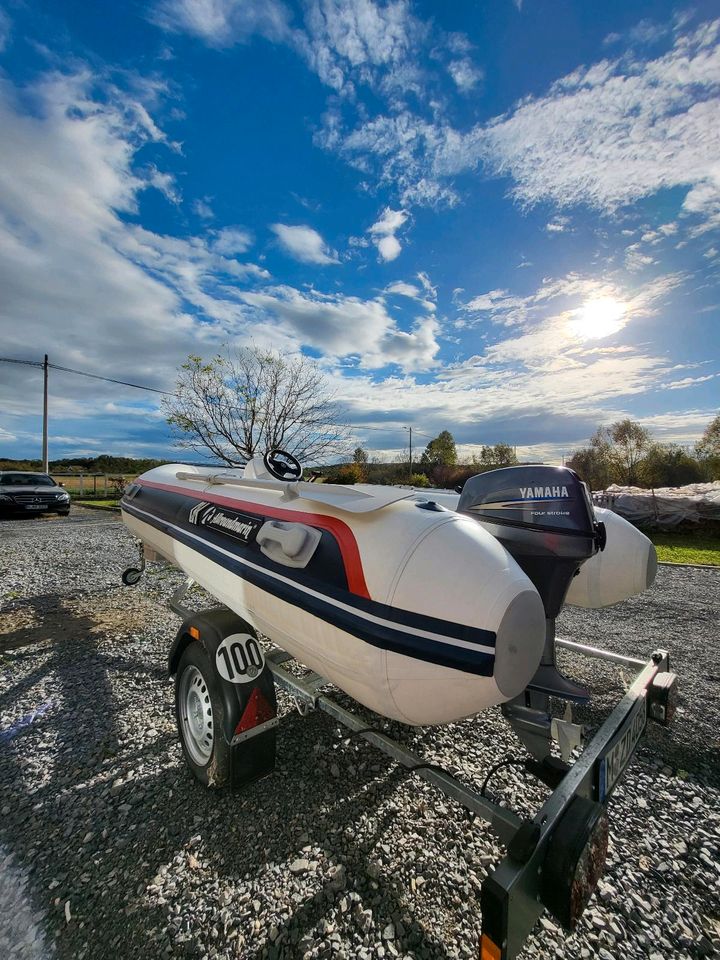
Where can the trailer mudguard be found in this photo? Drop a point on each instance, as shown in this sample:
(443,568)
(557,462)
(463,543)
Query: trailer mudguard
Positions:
(247,685)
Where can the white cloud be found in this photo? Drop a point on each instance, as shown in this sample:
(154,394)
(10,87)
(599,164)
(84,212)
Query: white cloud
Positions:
(347,43)
(604,136)
(557,225)
(343,326)
(5,29)
(616,132)
(128,301)
(636,260)
(465,74)
(425,297)
(428,286)
(232,240)
(389,248)
(403,289)
(222,23)
(304,244)
(690,382)
(359,41)
(203,209)
(403,150)
(383,233)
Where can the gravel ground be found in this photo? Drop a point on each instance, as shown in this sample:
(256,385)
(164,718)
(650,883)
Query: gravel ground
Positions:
(108,847)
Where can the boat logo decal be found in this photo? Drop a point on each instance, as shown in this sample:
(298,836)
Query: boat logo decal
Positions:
(544,493)
(237,525)
(239,658)
(528,496)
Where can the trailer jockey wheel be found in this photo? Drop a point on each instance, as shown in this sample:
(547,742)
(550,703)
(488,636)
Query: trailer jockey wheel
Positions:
(131,576)
(282,465)
(200,710)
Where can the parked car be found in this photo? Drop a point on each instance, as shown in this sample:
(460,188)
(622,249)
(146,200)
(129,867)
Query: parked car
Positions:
(22,492)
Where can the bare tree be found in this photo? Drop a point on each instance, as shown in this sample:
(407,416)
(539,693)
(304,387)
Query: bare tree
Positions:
(247,401)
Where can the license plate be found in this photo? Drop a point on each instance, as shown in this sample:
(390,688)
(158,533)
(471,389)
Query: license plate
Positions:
(34,506)
(610,764)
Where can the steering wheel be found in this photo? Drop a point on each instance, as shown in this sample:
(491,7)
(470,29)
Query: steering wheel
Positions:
(282,465)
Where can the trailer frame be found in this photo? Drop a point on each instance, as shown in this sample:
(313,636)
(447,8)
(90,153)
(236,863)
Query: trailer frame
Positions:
(511,895)
(526,881)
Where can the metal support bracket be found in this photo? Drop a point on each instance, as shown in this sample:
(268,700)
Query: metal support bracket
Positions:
(254,731)
(175,601)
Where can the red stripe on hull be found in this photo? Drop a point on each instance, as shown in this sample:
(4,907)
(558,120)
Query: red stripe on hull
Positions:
(338,528)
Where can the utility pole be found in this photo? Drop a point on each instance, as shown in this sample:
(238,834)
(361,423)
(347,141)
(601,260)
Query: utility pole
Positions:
(410,430)
(45,415)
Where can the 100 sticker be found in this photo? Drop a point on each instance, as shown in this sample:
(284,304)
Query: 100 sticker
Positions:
(239,658)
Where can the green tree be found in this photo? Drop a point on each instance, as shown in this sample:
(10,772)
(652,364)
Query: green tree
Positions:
(614,454)
(708,450)
(709,445)
(441,450)
(360,460)
(593,465)
(630,442)
(349,473)
(668,466)
(419,480)
(499,455)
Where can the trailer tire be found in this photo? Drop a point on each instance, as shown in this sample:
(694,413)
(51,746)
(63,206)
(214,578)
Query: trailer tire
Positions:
(199,711)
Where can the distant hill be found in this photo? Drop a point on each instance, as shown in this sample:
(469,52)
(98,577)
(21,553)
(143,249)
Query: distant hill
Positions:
(102,464)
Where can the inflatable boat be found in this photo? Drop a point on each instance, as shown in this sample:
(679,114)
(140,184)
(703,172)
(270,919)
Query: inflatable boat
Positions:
(415,611)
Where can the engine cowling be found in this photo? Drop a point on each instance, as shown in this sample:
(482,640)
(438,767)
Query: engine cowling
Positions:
(544,518)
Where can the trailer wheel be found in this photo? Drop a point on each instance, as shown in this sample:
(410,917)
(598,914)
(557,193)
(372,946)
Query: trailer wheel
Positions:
(199,711)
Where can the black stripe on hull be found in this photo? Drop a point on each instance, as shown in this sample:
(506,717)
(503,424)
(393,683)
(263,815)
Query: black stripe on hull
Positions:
(354,621)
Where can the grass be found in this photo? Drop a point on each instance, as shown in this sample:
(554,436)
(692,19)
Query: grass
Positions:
(687,547)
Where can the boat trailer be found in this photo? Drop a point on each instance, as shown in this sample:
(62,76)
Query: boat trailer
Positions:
(553,861)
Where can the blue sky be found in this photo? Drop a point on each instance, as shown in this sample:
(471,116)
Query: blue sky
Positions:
(496,218)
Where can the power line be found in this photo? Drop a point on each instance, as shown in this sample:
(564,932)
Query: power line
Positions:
(84,373)
(95,376)
(28,363)
(358,426)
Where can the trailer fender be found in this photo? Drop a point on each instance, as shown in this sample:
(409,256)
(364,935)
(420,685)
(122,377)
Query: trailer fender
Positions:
(245,679)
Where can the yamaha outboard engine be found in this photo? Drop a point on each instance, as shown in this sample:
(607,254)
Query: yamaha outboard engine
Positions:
(544,518)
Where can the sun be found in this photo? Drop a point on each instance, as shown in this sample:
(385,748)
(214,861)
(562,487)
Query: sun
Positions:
(598,318)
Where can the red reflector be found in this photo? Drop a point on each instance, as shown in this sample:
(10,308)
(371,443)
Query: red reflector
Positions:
(257,711)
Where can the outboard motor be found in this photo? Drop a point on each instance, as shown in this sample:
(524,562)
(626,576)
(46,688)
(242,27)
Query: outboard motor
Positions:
(544,518)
